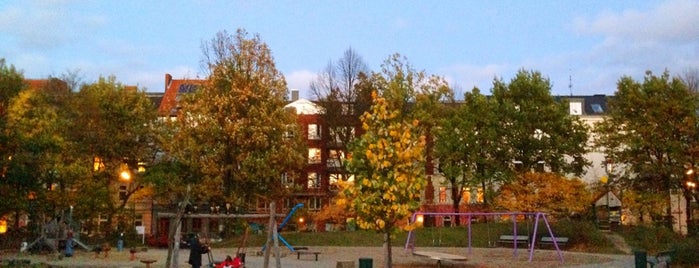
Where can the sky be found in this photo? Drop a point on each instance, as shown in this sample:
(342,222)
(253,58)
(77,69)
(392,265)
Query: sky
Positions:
(583,47)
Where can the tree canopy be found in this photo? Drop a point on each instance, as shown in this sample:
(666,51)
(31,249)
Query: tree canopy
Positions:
(234,128)
(650,133)
(538,130)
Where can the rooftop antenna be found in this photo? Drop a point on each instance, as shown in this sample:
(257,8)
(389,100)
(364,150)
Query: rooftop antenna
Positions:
(570,83)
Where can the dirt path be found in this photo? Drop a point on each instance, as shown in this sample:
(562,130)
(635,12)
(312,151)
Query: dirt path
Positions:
(618,242)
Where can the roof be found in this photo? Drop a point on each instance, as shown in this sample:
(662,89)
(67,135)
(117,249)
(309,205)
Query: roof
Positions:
(592,104)
(173,87)
(304,106)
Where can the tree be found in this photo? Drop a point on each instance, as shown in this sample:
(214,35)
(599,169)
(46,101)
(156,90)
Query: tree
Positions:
(468,146)
(342,101)
(545,192)
(109,134)
(691,79)
(11,84)
(388,159)
(538,129)
(651,132)
(388,165)
(234,129)
(36,124)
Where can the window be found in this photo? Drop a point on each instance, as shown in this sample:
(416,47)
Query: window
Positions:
(335,158)
(575,108)
(313,132)
(287,180)
(313,180)
(339,135)
(289,132)
(314,155)
(347,109)
(442,194)
(597,108)
(466,195)
(138,220)
(262,204)
(334,178)
(288,204)
(122,192)
(314,203)
(479,195)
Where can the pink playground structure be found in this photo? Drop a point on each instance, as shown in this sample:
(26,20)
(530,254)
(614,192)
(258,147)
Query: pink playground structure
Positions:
(409,244)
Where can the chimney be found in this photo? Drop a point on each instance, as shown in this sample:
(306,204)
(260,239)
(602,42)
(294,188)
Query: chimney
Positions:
(168,80)
(294,94)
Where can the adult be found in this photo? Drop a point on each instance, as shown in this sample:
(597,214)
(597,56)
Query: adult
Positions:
(196,249)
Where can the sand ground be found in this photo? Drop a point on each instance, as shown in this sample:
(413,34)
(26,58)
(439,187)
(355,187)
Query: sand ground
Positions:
(329,257)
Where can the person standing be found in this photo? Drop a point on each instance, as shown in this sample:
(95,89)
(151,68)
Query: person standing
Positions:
(69,244)
(196,249)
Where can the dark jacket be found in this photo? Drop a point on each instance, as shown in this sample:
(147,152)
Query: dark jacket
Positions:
(196,249)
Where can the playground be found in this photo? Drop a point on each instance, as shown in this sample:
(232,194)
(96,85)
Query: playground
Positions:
(479,257)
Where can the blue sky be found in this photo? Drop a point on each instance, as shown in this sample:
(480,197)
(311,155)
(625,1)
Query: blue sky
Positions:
(586,44)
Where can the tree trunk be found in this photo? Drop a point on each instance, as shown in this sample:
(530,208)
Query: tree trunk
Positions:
(277,255)
(387,249)
(456,199)
(174,233)
(688,210)
(270,232)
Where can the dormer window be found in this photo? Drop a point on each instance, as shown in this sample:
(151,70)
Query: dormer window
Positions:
(576,108)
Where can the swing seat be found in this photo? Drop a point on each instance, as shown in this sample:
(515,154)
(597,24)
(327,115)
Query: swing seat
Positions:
(511,240)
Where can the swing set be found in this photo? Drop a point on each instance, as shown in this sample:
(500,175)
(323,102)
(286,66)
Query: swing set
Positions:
(410,242)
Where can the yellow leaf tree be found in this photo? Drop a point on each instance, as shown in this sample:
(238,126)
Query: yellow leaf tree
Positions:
(388,162)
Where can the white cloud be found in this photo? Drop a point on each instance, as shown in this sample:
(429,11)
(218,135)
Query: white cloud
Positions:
(671,21)
(300,79)
(46,24)
(465,76)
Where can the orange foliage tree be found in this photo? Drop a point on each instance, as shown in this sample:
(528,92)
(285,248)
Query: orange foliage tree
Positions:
(544,192)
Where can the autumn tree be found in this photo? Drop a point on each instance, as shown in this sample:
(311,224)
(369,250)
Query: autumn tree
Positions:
(36,124)
(234,129)
(538,130)
(544,192)
(650,132)
(388,159)
(11,84)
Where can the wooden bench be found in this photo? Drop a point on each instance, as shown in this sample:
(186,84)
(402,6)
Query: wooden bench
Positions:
(511,239)
(548,241)
(306,252)
(439,257)
(661,257)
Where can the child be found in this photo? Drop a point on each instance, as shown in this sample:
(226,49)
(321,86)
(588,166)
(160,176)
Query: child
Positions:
(230,263)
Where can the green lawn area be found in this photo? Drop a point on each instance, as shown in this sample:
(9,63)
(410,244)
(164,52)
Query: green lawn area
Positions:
(590,240)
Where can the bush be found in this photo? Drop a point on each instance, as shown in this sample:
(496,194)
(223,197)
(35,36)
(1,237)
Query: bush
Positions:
(686,252)
(583,235)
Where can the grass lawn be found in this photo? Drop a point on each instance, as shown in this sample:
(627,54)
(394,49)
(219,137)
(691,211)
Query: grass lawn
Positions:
(482,234)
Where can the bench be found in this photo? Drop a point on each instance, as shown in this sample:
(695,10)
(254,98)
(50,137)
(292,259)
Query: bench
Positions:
(548,241)
(511,239)
(306,252)
(661,257)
